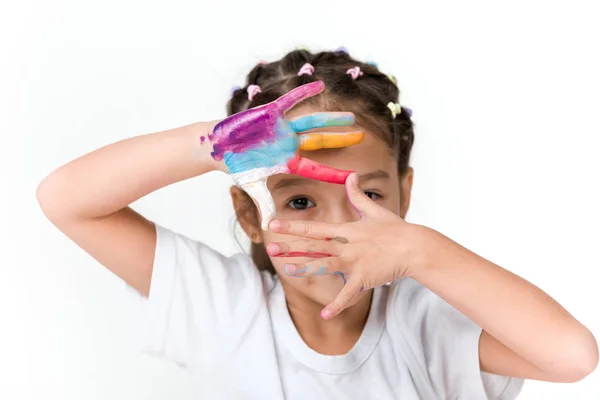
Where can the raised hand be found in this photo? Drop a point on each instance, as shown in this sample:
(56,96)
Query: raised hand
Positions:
(370,252)
(260,142)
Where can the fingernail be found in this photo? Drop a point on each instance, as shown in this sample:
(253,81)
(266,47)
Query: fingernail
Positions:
(273,249)
(289,269)
(326,313)
(274,225)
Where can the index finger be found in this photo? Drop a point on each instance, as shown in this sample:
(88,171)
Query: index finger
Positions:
(313,170)
(298,94)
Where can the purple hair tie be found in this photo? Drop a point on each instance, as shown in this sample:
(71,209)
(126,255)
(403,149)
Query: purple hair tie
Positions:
(306,69)
(341,49)
(234,89)
(253,90)
(355,72)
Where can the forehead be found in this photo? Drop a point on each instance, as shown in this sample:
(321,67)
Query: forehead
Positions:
(371,155)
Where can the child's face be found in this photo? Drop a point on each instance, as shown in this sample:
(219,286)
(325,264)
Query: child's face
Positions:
(304,199)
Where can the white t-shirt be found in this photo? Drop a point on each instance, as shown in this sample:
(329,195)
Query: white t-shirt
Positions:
(228,325)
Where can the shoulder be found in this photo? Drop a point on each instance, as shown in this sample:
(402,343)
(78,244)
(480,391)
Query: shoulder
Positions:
(443,344)
(192,258)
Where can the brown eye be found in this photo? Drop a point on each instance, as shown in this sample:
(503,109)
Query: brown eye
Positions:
(301,203)
(373,196)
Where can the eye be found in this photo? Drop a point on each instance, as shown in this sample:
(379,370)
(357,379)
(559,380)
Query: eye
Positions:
(373,196)
(301,203)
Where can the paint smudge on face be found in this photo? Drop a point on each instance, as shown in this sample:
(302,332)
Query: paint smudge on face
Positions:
(202,139)
(341,275)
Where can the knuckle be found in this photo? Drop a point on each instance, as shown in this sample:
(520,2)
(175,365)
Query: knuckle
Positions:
(311,247)
(307,228)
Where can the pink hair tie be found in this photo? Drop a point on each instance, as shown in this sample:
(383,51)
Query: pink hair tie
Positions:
(354,73)
(306,69)
(253,90)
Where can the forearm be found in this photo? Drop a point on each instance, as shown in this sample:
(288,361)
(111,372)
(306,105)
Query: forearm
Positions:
(110,178)
(512,310)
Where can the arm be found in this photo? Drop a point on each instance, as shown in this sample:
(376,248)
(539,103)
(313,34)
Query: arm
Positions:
(526,334)
(88,198)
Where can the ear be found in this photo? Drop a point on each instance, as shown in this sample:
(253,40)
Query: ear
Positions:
(406,184)
(246,213)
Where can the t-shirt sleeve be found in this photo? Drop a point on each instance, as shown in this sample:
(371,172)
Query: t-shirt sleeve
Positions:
(195,296)
(446,345)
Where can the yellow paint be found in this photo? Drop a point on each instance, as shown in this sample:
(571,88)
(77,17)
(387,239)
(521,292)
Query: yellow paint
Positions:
(316,141)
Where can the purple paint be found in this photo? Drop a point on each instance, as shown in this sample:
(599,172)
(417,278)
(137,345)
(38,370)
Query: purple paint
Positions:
(202,139)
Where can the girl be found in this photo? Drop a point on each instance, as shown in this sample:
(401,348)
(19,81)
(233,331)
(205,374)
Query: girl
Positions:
(341,298)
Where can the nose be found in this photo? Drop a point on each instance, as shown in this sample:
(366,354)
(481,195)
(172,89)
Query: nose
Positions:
(342,211)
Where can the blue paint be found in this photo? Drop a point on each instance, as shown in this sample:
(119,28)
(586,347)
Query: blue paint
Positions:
(321,120)
(267,154)
(341,275)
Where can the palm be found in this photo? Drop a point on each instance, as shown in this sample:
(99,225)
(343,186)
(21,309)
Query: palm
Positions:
(260,142)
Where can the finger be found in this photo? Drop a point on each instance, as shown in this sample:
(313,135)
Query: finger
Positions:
(333,140)
(305,248)
(307,229)
(347,295)
(258,191)
(313,170)
(298,94)
(322,120)
(357,197)
(324,266)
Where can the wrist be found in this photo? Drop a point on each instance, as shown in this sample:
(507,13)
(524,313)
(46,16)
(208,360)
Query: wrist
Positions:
(424,246)
(202,135)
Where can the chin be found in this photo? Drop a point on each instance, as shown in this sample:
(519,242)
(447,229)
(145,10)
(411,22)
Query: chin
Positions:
(322,289)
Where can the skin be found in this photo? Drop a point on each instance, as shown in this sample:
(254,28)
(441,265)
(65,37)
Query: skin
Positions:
(526,333)
(85,202)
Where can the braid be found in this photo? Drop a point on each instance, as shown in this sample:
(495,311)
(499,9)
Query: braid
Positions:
(367,96)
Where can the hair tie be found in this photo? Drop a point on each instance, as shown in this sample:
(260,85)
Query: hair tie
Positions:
(395,108)
(306,69)
(234,89)
(372,63)
(341,49)
(262,62)
(392,78)
(354,72)
(303,48)
(253,90)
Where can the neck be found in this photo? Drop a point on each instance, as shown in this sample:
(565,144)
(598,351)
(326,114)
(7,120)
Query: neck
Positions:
(335,336)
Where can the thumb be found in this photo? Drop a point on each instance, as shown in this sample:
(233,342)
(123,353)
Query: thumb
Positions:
(260,193)
(361,202)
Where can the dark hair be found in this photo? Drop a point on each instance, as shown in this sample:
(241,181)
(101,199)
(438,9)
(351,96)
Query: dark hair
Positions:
(367,97)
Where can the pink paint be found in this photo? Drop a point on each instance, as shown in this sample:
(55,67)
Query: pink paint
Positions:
(313,170)
(301,254)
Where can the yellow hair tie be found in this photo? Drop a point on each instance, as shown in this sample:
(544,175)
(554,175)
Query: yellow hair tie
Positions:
(392,78)
(395,108)
(302,48)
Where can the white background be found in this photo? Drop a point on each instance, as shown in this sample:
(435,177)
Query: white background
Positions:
(506,98)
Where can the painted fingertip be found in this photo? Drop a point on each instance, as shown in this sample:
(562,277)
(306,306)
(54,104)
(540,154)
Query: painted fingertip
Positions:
(326,313)
(274,225)
(289,269)
(273,249)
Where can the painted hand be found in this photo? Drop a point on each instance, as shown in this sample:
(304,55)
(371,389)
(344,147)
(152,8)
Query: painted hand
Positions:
(260,142)
(370,252)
